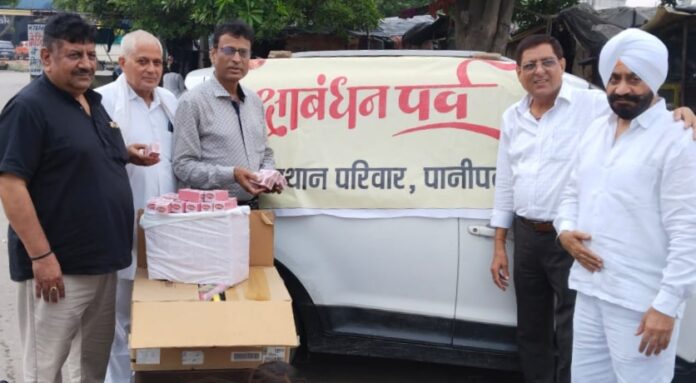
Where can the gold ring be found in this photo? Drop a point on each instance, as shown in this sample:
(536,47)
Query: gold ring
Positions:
(52,289)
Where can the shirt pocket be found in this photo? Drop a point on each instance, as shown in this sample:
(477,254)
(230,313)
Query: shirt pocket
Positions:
(115,145)
(563,143)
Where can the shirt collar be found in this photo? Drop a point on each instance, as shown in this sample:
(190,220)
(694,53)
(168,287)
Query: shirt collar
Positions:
(647,118)
(91,96)
(220,91)
(565,94)
(134,96)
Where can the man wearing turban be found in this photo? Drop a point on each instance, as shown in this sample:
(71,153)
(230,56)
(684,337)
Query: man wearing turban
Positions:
(538,137)
(627,216)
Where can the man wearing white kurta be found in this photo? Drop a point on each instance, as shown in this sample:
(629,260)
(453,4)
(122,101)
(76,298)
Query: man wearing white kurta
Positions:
(628,218)
(144,113)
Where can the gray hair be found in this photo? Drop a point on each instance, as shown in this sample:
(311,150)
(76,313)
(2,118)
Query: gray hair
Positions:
(130,40)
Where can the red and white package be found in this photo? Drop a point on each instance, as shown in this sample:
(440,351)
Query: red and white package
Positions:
(151,205)
(163,206)
(229,204)
(171,196)
(269,179)
(153,150)
(191,195)
(192,207)
(215,195)
(206,206)
(176,206)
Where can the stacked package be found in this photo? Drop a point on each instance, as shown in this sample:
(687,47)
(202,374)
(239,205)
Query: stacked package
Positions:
(197,236)
(191,201)
(270,180)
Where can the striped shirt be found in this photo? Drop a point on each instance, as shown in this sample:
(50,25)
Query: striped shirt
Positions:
(212,136)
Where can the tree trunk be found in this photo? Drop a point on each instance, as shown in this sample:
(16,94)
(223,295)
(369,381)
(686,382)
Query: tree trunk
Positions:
(482,25)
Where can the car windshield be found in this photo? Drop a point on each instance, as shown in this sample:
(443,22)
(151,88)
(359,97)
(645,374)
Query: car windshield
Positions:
(5,44)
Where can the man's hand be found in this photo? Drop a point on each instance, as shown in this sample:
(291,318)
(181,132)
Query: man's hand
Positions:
(136,155)
(656,329)
(277,188)
(48,279)
(572,242)
(499,267)
(687,115)
(244,177)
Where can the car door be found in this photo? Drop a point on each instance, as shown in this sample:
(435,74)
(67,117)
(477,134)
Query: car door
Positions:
(485,316)
(381,277)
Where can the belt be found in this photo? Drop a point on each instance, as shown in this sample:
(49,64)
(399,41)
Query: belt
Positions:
(540,226)
(252,203)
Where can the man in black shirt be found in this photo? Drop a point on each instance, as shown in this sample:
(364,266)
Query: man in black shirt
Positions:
(66,194)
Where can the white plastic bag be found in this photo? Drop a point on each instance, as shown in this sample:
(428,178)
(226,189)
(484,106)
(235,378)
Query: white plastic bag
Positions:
(203,248)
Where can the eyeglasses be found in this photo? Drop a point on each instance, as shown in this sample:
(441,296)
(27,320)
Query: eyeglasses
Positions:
(231,51)
(546,63)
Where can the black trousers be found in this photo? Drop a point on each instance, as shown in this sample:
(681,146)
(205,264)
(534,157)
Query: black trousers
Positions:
(544,305)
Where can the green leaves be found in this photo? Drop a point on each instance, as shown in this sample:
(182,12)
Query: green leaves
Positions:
(192,18)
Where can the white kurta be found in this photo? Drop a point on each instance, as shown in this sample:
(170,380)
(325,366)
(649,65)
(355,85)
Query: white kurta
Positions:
(143,125)
(635,197)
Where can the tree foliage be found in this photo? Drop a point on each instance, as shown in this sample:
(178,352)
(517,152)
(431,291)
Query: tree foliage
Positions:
(533,12)
(390,8)
(188,18)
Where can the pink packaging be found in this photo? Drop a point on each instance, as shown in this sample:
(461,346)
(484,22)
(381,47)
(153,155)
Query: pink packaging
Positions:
(151,205)
(230,204)
(215,195)
(192,207)
(163,206)
(176,206)
(191,195)
(269,178)
(206,206)
(170,196)
(153,149)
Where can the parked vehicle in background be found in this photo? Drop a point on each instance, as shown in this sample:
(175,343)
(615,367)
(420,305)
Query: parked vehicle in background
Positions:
(7,50)
(382,237)
(22,50)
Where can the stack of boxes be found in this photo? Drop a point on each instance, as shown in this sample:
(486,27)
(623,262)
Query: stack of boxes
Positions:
(191,201)
(173,330)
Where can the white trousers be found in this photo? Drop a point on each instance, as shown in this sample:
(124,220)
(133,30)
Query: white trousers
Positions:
(119,370)
(47,330)
(605,347)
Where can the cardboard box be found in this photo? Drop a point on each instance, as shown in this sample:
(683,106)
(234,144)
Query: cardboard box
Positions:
(173,330)
(260,239)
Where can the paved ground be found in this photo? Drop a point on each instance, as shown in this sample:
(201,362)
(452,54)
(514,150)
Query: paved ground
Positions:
(319,368)
(10,362)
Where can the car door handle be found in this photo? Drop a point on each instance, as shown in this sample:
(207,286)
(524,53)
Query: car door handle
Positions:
(482,231)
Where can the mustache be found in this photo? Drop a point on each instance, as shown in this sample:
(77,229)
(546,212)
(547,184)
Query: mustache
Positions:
(627,97)
(80,72)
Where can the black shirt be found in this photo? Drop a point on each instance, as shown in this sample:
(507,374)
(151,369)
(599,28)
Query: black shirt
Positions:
(74,166)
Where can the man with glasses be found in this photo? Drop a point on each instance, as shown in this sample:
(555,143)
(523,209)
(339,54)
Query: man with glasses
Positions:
(538,137)
(219,127)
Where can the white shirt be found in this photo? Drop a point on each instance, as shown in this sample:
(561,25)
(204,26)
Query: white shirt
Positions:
(143,124)
(534,156)
(636,197)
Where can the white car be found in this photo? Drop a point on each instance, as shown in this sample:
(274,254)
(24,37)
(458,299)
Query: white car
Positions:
(393,274)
